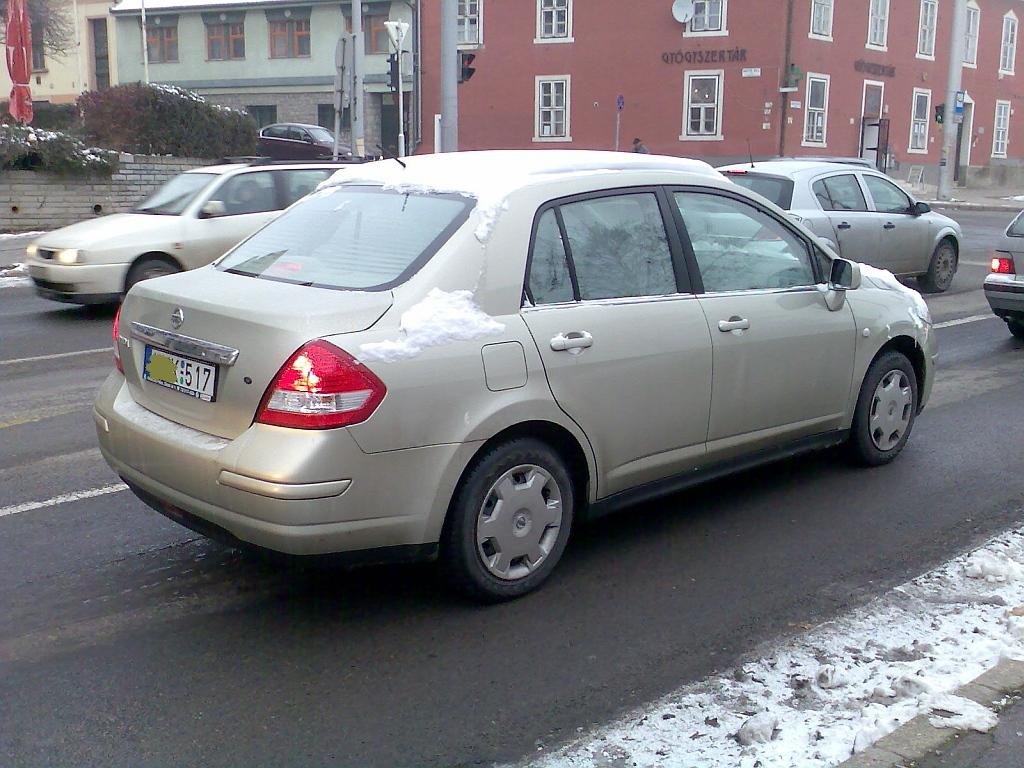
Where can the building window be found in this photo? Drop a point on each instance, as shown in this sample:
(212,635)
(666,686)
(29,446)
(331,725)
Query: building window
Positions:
(708,18)
(325,117)
(821,19)
(375,35)
(919,117)
(1001,129)
(926,32)
(552,109)
(263,114)
(973,25)
(163,43)
(469,22)
(554,21)
(702,110)
(878,24)
(289,39)
(1008,49)
(816,114)
(38,54)
(225,41)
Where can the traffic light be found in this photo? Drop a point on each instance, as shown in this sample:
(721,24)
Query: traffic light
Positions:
(394,83)
(940,113)
(466,68)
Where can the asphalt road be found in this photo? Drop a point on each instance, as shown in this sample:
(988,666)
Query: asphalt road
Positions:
(127,641)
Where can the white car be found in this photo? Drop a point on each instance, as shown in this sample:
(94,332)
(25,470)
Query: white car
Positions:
(187,223)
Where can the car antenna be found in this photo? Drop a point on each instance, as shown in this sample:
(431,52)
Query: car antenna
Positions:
(750,154)
(398,161)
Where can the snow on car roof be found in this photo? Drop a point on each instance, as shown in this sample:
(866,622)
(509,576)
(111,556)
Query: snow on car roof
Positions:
(791,167)
(491,173)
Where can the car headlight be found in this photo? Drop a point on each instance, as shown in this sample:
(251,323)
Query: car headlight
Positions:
(67,256)
(32,250)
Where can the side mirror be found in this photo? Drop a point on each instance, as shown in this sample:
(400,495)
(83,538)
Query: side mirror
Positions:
(845,275)
(918,208)
(212,209)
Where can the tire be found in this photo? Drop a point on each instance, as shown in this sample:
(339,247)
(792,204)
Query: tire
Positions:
(472,561)
(148,268)
(941,269)
(1016,326)
(884,417)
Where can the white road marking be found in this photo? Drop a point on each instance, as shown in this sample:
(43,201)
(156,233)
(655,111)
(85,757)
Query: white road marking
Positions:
(58,355)
(64,498)
(964,321)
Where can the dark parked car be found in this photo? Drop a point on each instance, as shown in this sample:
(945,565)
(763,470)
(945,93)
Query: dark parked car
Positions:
(295,141)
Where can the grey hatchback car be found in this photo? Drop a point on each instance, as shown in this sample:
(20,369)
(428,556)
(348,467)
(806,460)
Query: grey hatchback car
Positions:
(463,356)
(1004,286)
(862,214)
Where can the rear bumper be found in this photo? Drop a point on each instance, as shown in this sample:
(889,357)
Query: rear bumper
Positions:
(78,283)
(385,500)
(1005,294)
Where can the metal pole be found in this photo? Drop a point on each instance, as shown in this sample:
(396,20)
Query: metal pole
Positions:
(356,107)
(145,45)
(949,125)
(78,47)
(401,109)
(449,76)
(340,53)
(618,128)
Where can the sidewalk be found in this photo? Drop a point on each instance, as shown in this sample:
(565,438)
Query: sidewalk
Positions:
(979,199)
(1002,747)
(12,248)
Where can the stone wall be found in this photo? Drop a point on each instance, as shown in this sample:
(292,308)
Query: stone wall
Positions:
(36,201)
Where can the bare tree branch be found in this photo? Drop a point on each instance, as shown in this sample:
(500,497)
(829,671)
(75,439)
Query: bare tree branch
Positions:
(54,19)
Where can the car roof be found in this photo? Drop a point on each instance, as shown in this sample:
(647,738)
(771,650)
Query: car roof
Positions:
(226,168)
(493,173)
(292,125)
(794,167)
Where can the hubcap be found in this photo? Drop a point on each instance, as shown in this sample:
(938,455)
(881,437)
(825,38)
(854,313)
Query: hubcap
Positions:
(891,409)
(944,267)
(518,522)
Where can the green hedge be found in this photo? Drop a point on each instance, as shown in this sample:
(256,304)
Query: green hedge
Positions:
(49,117)
(164,120)
(24,148)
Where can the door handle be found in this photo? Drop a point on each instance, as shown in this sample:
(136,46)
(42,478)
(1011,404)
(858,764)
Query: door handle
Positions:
(888,225)
(843,225)
(572,341)
(734,323)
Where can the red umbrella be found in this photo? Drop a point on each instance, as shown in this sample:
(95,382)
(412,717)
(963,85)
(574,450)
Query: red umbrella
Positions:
(19,59)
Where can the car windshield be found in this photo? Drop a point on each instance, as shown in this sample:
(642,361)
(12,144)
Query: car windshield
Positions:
(778,189)
(1016,228)
(321,134)
(351,237)
(174,196)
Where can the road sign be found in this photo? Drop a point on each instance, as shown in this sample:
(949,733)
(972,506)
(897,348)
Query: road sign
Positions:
(958,108)
(620,102)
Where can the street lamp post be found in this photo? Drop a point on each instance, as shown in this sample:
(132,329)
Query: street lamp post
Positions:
(397,30)
(145,44)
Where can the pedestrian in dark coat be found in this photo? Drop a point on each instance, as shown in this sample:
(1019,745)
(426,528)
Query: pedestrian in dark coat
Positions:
(640,148)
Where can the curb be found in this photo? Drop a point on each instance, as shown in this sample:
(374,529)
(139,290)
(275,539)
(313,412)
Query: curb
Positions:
(956,205)
(919,738)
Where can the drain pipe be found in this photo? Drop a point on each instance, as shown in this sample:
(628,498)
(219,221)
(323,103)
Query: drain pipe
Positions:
(786,63)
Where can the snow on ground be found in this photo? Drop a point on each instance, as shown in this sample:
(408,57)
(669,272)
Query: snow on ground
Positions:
(13,235)
(440,318)
(12,275)
(816,699)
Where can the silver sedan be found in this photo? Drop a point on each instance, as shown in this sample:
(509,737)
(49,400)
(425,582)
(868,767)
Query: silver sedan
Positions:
(1004,287)
(861,214)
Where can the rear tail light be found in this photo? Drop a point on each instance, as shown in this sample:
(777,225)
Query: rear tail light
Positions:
(117,341)
(1003,265)
(321,387)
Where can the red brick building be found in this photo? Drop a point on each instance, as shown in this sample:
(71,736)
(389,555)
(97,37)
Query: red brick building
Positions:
(548,74)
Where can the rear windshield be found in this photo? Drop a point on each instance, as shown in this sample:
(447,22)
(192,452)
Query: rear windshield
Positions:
(174,196)
(776,188)
(351,237)
(1016,228)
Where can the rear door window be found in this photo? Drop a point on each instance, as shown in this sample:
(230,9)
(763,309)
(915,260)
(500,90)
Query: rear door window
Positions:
(550,279)
(619,246)
(296,184)
(1016,228)
(741,248)
(351,237)
(839,193)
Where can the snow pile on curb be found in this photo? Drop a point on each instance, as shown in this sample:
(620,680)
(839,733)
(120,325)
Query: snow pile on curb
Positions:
(440,318)
(818,698)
